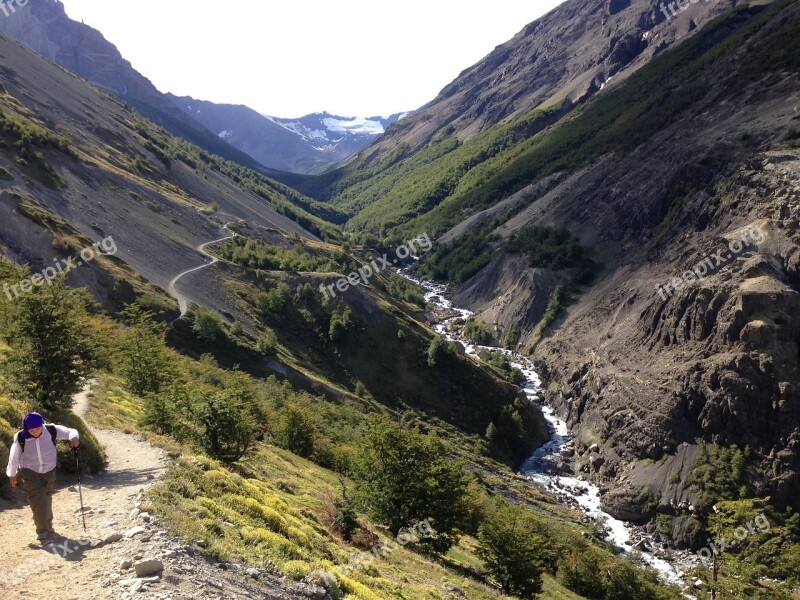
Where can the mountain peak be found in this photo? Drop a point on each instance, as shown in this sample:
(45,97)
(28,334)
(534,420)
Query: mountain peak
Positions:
(298,145)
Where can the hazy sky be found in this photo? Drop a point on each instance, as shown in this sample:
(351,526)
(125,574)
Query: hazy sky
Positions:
(295,57)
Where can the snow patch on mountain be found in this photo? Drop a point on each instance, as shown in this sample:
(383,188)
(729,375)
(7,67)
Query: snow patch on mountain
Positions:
(325,131)
(355,125)
(304,132)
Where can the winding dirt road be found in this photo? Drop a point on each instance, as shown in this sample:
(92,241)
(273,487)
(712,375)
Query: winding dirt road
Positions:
(183,302)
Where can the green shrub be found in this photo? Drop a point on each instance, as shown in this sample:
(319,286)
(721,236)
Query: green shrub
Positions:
(143,357)
(513,549)
(476,331)
(206,323)
(405,477)
(296,431)
(267,342)
(227,423)
(438,350)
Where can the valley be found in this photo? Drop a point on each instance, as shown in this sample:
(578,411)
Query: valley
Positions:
(551,314)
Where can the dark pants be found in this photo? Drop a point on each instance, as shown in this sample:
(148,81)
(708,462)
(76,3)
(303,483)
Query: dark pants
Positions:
(39,488)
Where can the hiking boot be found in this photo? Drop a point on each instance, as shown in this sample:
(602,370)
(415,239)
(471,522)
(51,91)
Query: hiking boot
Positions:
(46,535)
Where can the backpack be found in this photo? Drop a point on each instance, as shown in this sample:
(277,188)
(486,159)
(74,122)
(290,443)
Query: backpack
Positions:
(21,436)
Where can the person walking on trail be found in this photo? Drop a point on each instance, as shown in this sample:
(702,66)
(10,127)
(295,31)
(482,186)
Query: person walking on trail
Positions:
(33,459)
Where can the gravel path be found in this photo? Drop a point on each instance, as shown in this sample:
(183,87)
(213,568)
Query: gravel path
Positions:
(120,541)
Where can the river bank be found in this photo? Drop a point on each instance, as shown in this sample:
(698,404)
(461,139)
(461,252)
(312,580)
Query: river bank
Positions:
(550,466)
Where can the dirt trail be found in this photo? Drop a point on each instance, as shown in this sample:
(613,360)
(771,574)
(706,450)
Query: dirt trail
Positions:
(88,566)
(183,303)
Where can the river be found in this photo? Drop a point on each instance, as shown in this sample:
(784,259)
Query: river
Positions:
(577,493)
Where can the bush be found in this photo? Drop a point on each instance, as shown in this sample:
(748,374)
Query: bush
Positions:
(580,571)
(405,477)
(164,410)
(91,454)
(476,332)
(549,248)
(438,350)
(206,323)
(304,293)
(267,342)
(337,329)
(513,549)
(275,300)
(340,513)
(340,323)
(227,424)
(296,431)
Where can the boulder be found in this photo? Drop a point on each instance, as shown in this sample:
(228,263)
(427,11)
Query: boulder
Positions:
(134,531)
(148,567)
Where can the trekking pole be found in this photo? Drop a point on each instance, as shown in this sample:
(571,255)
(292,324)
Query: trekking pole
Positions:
(80,489)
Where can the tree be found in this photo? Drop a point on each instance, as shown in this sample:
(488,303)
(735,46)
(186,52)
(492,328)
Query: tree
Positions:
(513,549)
(144,360)
(296,432)
(275,300)
(340,323)
(206,323)
(404,477)
(267,342)
(337,329)
(580,571)
(227,424)
(476,331)
(304,293)
(438,350)
(53,352)
(164,409)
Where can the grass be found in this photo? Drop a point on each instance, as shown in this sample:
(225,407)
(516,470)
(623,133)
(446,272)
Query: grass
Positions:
(119,409)
(271,510)
(22,141)
(249,516)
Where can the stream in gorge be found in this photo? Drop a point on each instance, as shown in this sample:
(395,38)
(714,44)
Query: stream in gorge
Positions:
(538,468)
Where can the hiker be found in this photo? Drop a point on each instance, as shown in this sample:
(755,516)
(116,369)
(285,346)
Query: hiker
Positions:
(33,455)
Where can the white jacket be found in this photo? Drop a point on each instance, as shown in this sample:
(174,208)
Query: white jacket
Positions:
(40,453)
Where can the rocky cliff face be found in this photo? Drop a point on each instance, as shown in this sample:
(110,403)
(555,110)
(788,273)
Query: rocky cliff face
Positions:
(44,26)
(565,56)
(648,371)
(691,331)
